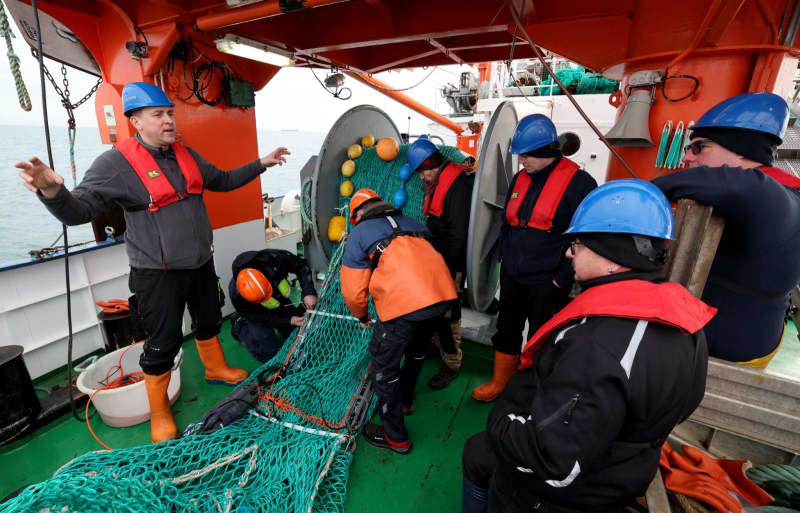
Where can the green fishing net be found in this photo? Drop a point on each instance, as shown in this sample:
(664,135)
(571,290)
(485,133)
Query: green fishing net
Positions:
(289,454)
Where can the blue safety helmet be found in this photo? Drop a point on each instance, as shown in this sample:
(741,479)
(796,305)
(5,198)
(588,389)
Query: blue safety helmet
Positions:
(420,150)
(138,95)
(761,112)
(629,206)
(532,133)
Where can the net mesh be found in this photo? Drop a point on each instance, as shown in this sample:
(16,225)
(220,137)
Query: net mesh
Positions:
(289,454)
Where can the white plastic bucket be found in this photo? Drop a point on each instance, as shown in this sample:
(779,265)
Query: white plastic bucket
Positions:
(127,405)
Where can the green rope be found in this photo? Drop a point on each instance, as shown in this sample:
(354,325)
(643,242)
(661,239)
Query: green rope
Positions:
(305,200)
(686,138)
(662,143)
(781,481)
(13,62)
(674,154)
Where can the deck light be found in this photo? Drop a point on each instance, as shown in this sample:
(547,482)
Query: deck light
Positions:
(249,49)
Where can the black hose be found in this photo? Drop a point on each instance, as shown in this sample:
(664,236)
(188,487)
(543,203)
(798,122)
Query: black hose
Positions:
(40,57)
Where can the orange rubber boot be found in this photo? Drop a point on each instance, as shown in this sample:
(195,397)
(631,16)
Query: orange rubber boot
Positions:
(162,425)
(504,367)
(217,369)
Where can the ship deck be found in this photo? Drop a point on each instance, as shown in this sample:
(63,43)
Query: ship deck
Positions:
(428,479)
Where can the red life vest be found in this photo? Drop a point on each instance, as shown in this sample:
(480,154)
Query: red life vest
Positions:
(781,176)
(547,203)
(434,202)
(161,192)
(666,303)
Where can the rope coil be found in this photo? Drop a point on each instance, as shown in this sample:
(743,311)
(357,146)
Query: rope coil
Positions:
(13,62)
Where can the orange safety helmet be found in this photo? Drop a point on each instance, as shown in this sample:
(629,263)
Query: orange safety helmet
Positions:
(253,285)
(359,198)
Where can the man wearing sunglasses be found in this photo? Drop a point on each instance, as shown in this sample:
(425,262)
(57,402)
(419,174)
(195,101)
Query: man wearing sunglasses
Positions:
(730,157)
(535,276)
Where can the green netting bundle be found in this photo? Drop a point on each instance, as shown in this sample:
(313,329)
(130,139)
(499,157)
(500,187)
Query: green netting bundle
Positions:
(290,454)
(578,81)
(595,83)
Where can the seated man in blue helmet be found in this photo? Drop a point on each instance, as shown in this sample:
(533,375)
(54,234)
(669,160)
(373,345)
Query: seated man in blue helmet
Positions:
(259,290)
(535,276)
(730,157)
(579,427)
(447,207)
(159,183)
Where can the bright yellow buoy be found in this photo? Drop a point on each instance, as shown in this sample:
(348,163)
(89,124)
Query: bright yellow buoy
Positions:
(354,151)
(348,168)
(368,141)
(336,228)
(388,149)
(346,189)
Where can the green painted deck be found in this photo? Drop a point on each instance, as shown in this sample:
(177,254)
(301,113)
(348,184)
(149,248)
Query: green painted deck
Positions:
(427,479)
(429,475)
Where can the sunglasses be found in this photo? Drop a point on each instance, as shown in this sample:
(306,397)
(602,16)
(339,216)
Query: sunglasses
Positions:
(697,146)
(573,244)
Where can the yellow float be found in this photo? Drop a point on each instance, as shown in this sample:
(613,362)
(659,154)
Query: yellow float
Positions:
(368,141)
(336,228)
(346,189)
(354,151)
(348,168)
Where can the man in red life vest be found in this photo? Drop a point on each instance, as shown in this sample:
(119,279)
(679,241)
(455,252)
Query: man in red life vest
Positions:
(730,158)
(535,276)
(447,207)
(579,427)
(159,184)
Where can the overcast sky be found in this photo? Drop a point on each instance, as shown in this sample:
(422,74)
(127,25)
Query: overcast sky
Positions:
(293,99)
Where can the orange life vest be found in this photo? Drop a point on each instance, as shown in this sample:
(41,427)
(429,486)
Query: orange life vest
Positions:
(666,303)
(434,203)
(547,203)
(781,176)
(161,191)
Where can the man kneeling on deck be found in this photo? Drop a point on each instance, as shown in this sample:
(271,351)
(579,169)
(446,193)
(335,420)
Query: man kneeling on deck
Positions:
(579,427)
(387,255)
(259,290)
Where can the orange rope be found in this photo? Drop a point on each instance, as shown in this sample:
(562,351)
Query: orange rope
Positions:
(283,404)
(121,381)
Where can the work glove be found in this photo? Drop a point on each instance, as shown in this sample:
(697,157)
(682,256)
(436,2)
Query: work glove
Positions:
(697,486)
(728,472)
(114,306)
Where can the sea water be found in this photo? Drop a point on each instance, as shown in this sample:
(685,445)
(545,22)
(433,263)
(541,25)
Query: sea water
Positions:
(26,225)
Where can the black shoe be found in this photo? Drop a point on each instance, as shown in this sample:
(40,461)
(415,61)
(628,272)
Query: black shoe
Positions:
(442,378)
(375,435)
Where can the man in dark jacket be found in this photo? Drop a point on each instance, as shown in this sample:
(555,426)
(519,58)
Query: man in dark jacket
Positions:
(159,184)
(254,323)
(447,208)
(731,153)
(535,276)
(580,426)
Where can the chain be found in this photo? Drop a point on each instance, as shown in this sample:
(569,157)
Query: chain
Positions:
(70,107)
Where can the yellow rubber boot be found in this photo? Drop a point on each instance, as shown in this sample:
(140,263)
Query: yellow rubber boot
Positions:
(504,367)
(162,425)
(217,369)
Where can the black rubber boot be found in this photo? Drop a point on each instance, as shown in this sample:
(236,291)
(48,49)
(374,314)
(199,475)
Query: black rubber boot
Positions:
(442,378)
(374,435)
